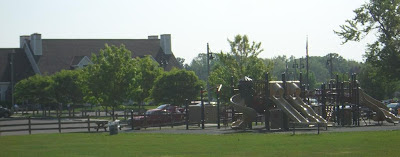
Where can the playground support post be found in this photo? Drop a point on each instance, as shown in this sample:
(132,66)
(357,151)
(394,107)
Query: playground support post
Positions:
(323,99)
(218,113)
(302,86)
(357,94)
(285,118)
(266,112)
(336,86)
(353,99)
(284,84)
(202,108)
(342,103)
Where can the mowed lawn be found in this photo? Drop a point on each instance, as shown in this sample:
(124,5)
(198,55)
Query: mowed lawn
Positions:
(382,143)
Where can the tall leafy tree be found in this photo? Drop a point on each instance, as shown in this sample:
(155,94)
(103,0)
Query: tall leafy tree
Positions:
(376,85)
(242,50)
(381,17)
(67,86)
(241,61)
(112,79)
(36,89)
(148,71)
(175,86)
(199,66)
(181,62)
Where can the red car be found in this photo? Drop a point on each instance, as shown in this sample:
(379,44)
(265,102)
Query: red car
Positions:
(165,114)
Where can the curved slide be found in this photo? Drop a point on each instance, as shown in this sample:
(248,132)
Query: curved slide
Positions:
(249,114)
(301,106)
(378,107)
(277,98)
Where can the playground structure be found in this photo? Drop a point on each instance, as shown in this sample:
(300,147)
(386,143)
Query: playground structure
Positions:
(273,99)
(284,103)
(342,103)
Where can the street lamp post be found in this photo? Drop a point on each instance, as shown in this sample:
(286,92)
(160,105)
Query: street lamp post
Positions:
(209,56)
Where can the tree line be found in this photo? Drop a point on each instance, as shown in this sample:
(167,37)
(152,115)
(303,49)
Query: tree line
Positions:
(114,78)
(321,69)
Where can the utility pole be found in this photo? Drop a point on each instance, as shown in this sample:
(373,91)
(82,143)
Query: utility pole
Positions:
(307,58)
(12,79)
(209,56)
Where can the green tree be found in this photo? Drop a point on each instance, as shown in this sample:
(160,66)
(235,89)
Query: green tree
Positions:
(181,62)
(148,71)
(241,61)
(175,86)
(199,66)
(383,19)
(242,50)
(376,85)
(36,89)
(67,86)
(112,79)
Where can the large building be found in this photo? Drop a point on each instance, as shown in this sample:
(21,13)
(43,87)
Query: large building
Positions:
(47,56)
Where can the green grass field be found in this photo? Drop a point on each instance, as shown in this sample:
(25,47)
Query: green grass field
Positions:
(382,143)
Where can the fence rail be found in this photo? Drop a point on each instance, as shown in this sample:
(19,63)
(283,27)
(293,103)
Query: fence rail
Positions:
(90,124)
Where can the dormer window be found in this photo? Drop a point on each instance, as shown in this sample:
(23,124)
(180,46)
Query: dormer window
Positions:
(80,62)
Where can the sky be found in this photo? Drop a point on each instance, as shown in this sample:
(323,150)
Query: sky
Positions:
(281,26)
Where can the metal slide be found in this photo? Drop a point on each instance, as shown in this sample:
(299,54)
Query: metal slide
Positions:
(376,106)
(277,98)
(249,114)
(298,103)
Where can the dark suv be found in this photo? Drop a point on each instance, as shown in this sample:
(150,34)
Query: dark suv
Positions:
(4,112)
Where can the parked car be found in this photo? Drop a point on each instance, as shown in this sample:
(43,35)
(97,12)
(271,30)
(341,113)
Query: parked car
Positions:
(4,112)
(393,107)
(162,115)
(314,102)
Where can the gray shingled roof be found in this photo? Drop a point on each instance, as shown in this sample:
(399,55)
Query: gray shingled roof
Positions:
(22,68)
(59,53)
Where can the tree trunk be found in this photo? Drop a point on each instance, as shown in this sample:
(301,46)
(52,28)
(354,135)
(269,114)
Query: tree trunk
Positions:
(113,115)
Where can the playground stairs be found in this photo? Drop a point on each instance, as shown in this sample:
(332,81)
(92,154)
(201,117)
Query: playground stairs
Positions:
(329,112)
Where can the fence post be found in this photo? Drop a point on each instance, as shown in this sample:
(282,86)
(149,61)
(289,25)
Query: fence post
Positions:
(125,114)
(294,128)
(106,110)
(88,123)
(218,112)
(187,114)
(202,108)
(172,119)
(266,119)
(132,119)
(59,124)
(29,125)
